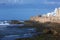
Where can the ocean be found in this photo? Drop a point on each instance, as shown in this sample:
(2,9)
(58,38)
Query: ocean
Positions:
(15,32)
(22,12)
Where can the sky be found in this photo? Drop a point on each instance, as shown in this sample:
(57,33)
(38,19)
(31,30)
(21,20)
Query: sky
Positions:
(31,1)
(23,9)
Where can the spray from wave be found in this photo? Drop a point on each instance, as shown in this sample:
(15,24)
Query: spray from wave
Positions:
(52,13)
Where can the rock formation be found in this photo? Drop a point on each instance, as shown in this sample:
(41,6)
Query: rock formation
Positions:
(49,17)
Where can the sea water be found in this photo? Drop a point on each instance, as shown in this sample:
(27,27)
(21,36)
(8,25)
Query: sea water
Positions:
(11,33)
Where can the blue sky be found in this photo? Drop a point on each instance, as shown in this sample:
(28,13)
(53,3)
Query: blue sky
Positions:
(31,1)
(23,9)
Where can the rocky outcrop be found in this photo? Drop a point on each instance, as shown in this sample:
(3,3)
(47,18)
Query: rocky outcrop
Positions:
(48,17)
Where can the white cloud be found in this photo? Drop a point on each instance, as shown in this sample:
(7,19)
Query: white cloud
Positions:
(17,1)
(51,2)
(30,1)
(11,1)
